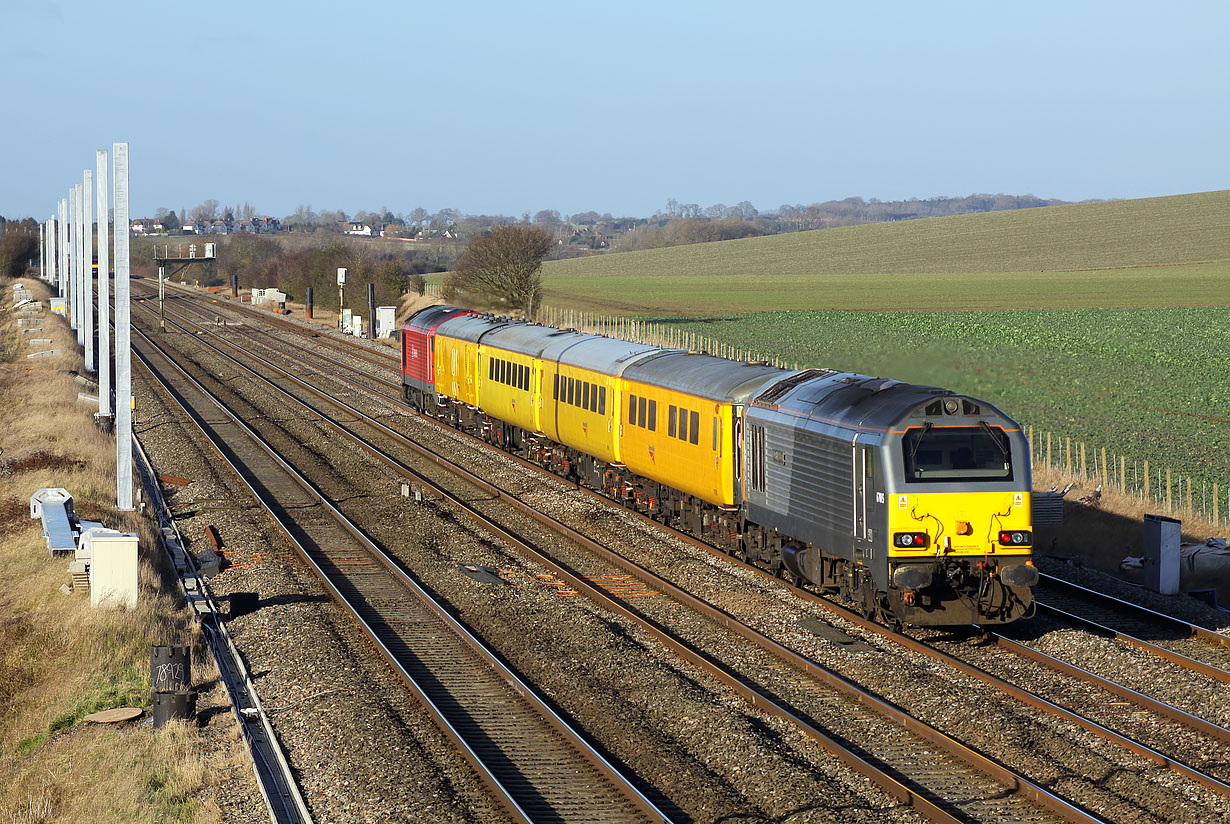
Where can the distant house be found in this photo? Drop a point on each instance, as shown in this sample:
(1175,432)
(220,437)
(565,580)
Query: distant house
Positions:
(258,225)
(356,228)
(190,229)
(218,227)
(146,226)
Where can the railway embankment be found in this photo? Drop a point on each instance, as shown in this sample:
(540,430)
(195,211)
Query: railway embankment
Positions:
(61,659)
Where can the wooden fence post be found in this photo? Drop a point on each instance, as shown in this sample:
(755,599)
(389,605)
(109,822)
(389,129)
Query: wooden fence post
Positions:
(1048,450)
(1146,480)
(1216,519)
(1169,509)
(1084,474)
(1122,473)
(1105,471)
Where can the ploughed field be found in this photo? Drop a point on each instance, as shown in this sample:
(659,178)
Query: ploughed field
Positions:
(1103,322)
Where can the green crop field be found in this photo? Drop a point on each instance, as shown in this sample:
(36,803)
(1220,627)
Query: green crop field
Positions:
(1106,322)
(1152,384)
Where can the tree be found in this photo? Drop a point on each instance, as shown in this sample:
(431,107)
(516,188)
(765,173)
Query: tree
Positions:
(170,222)
(19,246)
(394,274)
(505,265)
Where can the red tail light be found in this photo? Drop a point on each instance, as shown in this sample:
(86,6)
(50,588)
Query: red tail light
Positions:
(1016,537)
(910,540)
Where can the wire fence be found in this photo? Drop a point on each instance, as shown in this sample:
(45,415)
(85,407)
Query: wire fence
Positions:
(1171,491)
(1176,494)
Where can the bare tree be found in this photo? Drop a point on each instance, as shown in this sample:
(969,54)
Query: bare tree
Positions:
(206,211)
(505,265)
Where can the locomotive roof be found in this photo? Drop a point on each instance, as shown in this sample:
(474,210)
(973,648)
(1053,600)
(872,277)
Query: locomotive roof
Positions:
(705,376)
(424,318)
(866,402)
(472,327)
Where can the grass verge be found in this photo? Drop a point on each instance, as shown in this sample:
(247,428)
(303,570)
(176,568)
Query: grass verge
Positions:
(60,659)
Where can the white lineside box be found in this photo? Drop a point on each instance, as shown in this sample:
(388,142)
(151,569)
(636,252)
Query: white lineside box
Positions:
(347,321)
(59,306)
(386,318)
(113,566)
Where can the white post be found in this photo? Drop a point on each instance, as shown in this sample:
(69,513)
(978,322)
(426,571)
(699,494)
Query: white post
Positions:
(123,354)
(50,250)
(87,269)
(42,254)
(62,227)
(104,290)
(74,252)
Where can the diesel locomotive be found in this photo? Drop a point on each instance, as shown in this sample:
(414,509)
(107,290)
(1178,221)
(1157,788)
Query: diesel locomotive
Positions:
(911,501)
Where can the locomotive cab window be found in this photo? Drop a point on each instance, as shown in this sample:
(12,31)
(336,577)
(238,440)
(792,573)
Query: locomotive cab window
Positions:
(960,452)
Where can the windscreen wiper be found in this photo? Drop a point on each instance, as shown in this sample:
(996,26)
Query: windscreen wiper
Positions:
(918,441)
(994,437)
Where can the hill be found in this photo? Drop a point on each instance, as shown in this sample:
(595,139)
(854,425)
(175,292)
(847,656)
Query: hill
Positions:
(1079,255)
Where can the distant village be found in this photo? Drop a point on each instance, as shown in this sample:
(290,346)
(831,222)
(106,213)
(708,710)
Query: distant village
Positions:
(270,225)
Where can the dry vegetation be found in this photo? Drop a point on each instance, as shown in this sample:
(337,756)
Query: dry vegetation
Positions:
(59,658)
(1101,537)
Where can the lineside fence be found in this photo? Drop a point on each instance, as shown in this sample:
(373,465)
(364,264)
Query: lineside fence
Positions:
(1170,491)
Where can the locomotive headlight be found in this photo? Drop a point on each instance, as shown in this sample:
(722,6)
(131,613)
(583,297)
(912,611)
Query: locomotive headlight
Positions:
(951,406)
(1016,538)
(911,540)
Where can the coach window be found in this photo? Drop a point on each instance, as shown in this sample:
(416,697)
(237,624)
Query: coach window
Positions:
(632,409)
(640,411)
(653,416)
(490,369)
(571,385)
(715,434)
(525,377)
(683,424)
(585,395)
(555,388)
(601,400)
(671,421)
(694,427)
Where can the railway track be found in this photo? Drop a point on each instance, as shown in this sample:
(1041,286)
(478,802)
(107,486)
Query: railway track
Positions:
(947,783)
(1159,708)
(530,758)
(1176,642)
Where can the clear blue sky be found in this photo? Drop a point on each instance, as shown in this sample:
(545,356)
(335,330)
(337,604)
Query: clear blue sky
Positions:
(498,107)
